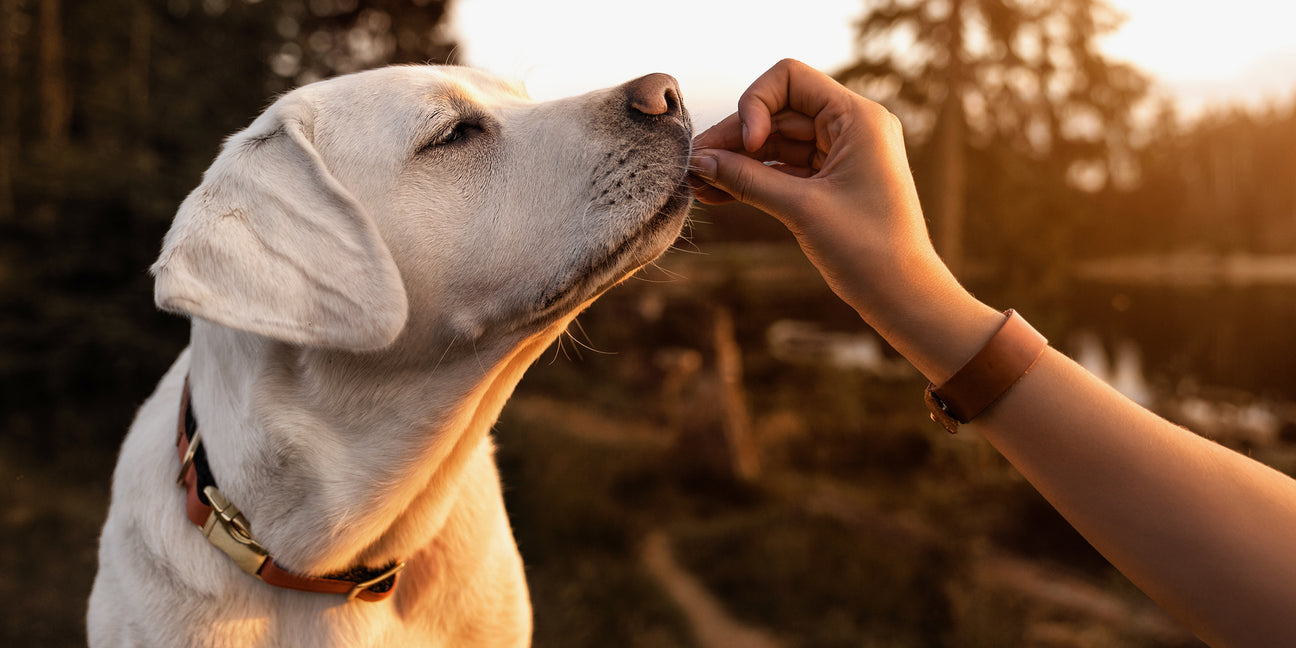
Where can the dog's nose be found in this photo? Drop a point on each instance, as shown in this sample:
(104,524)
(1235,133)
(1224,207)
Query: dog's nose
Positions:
(654,94)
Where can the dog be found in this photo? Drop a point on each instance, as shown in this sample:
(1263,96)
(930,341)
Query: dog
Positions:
(369,268)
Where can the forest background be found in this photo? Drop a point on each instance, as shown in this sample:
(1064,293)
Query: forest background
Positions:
(722,422)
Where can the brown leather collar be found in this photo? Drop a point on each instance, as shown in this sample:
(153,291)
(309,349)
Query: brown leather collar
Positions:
(223,524)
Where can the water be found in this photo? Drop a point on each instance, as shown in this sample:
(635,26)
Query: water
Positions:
(1218,359)
(1225,338)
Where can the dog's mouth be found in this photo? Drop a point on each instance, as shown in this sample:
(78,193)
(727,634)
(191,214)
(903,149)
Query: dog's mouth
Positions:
(638,199)
(645,244)
(648,241)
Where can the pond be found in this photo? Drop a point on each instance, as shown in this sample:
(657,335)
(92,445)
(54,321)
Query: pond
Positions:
(1222,337)
(1220,359)
(1211,345)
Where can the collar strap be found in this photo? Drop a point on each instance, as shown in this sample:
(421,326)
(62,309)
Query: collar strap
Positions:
(224,526)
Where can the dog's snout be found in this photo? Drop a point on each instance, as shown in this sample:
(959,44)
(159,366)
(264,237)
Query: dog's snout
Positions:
(654,94)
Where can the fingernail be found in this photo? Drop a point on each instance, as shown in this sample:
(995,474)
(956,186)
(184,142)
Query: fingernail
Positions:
(744,129)
(704,166)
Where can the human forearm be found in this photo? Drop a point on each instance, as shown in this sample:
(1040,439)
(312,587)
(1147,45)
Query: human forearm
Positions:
(923,312)
(1206,532)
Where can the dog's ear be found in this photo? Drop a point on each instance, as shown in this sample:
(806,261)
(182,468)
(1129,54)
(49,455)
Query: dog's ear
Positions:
(272,244)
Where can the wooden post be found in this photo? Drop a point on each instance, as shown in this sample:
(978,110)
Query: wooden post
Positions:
(744,455)
(9,52)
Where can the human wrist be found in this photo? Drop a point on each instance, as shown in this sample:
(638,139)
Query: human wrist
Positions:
(932,321)
(1007,356)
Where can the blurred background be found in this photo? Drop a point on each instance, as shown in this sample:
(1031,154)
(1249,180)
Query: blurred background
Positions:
(720,454)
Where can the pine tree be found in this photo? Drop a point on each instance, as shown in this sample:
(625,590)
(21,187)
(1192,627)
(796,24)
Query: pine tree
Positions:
(1021,83)
(109,112)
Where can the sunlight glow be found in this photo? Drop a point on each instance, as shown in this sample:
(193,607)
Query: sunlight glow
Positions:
(1209,51)
(1199,51)
(564,47)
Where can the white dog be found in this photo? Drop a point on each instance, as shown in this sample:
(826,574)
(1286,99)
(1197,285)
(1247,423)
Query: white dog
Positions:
(369,268)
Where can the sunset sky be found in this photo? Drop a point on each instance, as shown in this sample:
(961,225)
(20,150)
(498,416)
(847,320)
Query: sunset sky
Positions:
(1199,53)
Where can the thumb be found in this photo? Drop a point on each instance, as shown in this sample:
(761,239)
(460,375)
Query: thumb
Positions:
(745,179)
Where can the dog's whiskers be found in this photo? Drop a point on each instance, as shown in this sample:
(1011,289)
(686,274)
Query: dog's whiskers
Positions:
(445,353)
(559,346)
(477,357)
(588,344)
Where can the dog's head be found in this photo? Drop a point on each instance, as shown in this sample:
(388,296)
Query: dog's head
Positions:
(436,197)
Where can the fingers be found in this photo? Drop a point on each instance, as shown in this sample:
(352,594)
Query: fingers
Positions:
(790,84)
(706,194)
(733,176)
(794,125)
(792,157)
(785,118)
(727,134)
(710,195)
(792,141)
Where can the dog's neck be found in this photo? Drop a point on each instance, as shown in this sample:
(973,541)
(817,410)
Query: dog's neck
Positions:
(340,460)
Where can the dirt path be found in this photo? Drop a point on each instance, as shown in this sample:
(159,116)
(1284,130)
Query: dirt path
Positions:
(712,626)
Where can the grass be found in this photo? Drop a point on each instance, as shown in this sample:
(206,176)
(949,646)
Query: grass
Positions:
(868,527)
(578,540)
(51,530)
(823,582)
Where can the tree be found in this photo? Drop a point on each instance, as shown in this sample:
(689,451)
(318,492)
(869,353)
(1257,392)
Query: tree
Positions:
(109,112)
(341,36)
(9,51)
(1220,185)
(1020,83)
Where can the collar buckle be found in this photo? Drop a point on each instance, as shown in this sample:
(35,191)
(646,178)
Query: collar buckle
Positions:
(230,532)
(360,587)
(226,527)
(187,460)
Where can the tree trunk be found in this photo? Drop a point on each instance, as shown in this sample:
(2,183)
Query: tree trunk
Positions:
(56,106)
(55,102)
(950,162)
(141,35)
(9,53)
(144,159)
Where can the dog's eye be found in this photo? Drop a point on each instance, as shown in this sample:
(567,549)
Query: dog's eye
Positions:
(460,131)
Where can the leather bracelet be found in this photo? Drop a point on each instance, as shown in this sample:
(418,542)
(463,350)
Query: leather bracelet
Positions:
(1006,357)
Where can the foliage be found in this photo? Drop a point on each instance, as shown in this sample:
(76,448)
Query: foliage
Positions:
(1028,74)
(1221,184)
(111,111)
(1011,110)
(578,537)
(331,37)
(823,582)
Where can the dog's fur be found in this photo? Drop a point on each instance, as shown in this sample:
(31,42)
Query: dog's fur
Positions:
(370,267)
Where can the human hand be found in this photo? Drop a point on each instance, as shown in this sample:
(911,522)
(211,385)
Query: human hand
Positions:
(831,165)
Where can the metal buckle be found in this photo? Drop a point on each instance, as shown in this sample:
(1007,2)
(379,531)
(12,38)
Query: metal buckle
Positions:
(188,460)
(230,532)
(360,587)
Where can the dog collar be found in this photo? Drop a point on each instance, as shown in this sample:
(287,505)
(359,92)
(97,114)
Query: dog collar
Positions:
(226,528)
